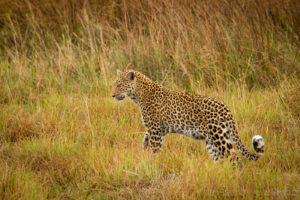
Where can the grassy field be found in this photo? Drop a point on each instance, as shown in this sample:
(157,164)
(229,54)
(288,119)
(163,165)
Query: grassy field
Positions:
(62,136)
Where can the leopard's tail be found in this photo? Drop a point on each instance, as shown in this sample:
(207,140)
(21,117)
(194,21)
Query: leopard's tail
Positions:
(258,145)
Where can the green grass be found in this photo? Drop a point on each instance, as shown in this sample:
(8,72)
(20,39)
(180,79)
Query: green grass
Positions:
(80,146)
(62,136)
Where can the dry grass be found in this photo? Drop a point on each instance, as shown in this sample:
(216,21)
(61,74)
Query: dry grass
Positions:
(97,153)
(63,137)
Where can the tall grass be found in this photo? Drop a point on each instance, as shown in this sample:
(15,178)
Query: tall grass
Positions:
(250,42)
(62,136)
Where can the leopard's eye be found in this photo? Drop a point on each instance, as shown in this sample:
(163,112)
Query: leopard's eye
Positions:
(119,85)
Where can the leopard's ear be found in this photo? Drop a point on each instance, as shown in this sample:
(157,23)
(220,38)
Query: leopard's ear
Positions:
(130,75)
(118,71)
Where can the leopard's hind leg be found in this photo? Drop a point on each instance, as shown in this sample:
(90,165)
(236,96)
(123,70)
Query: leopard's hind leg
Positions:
(212,149)
(227,148)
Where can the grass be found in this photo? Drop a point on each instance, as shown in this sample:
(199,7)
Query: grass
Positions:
(63,137)
(79,146)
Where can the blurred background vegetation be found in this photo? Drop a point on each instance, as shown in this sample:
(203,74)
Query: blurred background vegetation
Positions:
(58,59)
(209,42)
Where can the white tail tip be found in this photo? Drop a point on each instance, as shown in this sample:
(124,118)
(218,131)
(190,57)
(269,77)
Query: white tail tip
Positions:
(258,144)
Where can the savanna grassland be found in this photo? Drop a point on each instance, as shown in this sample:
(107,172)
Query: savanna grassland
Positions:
(62,136)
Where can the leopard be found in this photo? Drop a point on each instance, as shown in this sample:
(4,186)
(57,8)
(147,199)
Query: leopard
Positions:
(196,116)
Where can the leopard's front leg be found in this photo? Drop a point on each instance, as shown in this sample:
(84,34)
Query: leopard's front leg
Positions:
(155,140)
(146,141)
(153,136)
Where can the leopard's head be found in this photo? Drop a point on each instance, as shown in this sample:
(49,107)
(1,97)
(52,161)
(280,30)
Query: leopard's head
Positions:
(124,85)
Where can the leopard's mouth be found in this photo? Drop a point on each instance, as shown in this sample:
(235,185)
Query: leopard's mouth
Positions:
(120,98)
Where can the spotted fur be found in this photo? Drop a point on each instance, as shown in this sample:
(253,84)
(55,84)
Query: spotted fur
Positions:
(199,117)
